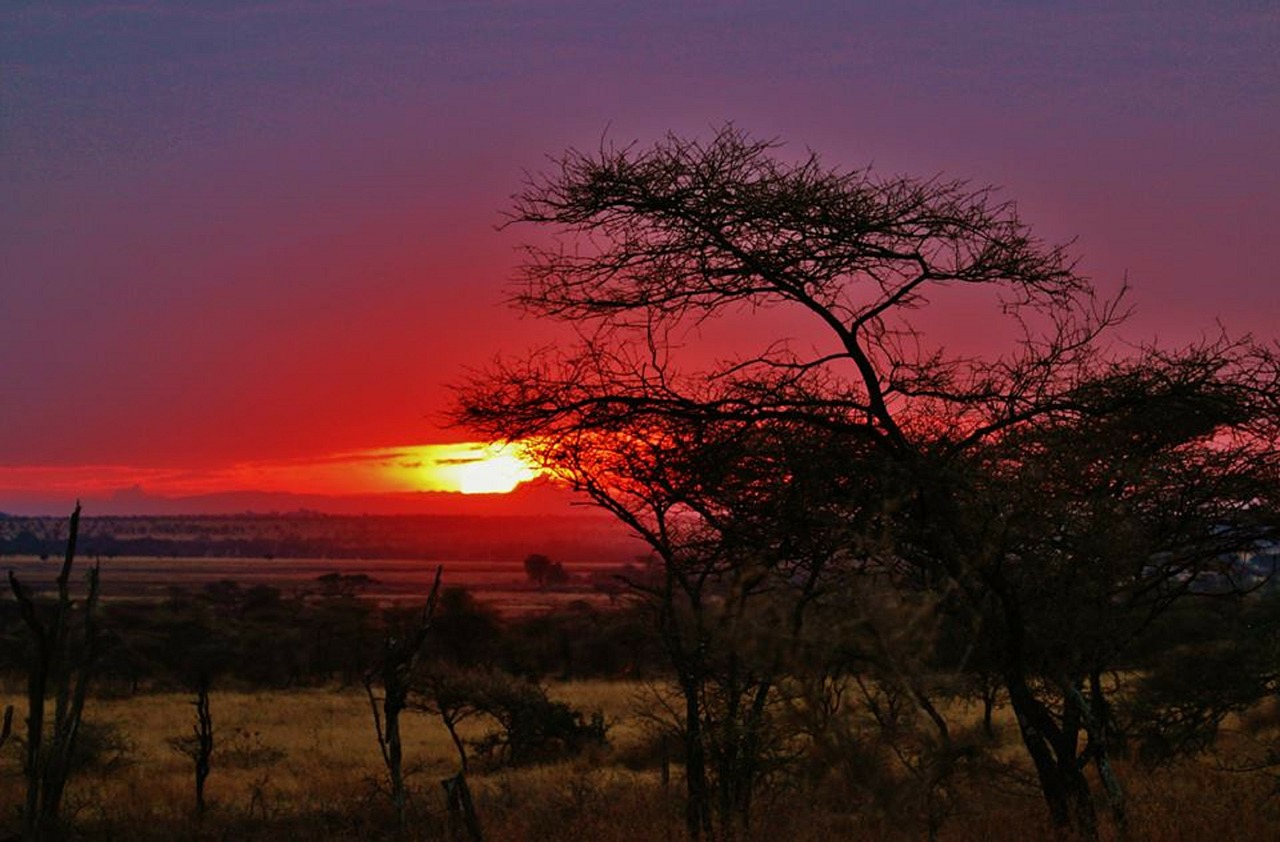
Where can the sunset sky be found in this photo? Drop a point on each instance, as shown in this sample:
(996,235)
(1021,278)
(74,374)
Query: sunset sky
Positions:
(244,246)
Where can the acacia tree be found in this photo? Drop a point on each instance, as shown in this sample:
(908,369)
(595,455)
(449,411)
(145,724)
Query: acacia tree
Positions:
(646,246)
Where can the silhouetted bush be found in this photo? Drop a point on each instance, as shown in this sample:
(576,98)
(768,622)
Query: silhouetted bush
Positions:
(531,728)
(101,747)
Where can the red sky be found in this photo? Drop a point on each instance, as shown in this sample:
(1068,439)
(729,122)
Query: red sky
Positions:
(242,240)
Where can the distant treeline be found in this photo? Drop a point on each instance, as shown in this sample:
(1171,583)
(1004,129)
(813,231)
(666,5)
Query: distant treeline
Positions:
(259,637)
(306,535)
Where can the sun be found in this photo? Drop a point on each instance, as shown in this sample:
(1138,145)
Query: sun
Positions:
(459,467)
(472,468)
(499,473)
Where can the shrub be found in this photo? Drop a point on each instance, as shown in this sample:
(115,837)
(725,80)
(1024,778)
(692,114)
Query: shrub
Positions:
(101,747)
(532,728)
(246,749)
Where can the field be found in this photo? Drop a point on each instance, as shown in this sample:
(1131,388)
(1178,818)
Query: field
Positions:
(306,762)
(502,585)
(303,764)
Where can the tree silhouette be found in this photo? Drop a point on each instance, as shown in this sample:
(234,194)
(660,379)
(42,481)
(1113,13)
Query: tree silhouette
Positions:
(63,647)
(1053,473)
(537,567)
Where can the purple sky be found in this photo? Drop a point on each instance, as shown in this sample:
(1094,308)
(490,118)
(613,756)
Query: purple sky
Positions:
(245,231)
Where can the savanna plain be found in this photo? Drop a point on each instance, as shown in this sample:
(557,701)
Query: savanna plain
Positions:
(304,764)
(567,720)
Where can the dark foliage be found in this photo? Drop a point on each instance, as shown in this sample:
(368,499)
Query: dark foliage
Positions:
(1052,499)
(531,728)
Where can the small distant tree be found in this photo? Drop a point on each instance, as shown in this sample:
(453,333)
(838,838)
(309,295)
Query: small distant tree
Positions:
(537,567)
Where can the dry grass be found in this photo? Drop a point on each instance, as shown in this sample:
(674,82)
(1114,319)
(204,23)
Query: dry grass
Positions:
(330,758)
(303,764)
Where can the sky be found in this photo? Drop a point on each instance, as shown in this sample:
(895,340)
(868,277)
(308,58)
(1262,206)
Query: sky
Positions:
(243,242)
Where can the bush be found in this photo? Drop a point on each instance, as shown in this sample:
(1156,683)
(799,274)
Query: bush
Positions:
(531,727)
(536,729)
(101,747)
(246,750)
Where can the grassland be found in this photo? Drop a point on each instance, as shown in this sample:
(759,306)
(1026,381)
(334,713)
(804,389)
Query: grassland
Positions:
(500,585)
(303,764)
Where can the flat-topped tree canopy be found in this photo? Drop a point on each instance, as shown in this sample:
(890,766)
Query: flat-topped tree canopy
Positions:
(644,247)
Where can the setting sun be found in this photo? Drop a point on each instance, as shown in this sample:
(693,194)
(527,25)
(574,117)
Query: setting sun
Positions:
(479,469)
(497,474)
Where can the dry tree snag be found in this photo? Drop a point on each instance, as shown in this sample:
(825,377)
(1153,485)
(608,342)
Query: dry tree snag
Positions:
(394,672)
(204,741)
(199,745)
(60,663)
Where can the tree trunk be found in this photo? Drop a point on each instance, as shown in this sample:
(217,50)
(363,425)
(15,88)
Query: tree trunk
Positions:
(1064,787)
(462,810)
(697,813)
(204,741)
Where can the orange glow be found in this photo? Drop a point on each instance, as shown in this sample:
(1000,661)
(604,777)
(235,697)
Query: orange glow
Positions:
(464,467)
